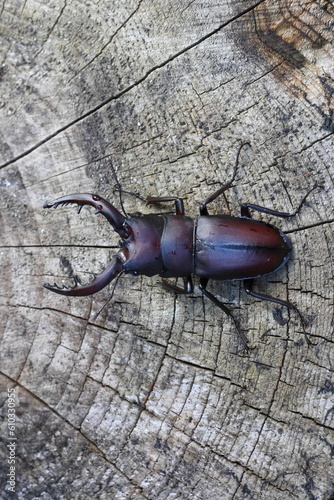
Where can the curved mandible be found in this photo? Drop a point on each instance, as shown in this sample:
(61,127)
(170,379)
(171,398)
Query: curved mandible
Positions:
(100,281)
(116,219)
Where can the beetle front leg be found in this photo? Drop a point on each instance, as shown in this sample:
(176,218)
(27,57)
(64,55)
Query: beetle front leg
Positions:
(179,206)
(202,287)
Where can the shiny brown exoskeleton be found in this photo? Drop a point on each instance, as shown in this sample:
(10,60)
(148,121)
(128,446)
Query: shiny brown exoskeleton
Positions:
(213,247)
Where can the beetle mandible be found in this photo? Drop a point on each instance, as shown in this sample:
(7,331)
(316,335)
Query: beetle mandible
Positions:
(214,247)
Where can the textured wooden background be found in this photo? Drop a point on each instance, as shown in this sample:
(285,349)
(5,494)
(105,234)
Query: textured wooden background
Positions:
(156,399)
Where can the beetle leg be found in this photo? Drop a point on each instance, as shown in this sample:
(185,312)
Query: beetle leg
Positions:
(179,206)
(246,213)
(246,206)
(203,208)
(248,284)
(188,286)
(152,200)
(202,287)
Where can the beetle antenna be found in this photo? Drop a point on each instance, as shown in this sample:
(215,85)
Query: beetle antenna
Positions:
(304,199)
(136,195)
(242,145)
(121,191)
(118,187)
(110,296)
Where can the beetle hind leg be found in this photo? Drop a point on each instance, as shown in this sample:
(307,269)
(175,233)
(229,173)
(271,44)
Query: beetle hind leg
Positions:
(248,284)
(285,215)
(223,307)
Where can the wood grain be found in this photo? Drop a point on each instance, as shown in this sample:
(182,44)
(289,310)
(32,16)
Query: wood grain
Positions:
(156,398)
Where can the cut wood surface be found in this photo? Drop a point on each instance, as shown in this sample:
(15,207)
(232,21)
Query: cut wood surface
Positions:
(156,398)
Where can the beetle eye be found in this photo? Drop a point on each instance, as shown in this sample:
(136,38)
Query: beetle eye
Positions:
(135,273)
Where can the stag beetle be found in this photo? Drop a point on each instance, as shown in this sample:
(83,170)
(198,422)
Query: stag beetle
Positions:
(214,247)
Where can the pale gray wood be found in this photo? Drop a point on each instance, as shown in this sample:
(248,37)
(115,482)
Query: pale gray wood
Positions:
(156,398)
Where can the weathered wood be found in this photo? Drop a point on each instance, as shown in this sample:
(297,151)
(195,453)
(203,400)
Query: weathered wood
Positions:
(156,398)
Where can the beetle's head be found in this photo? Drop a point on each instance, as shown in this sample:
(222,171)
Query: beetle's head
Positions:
(118,222)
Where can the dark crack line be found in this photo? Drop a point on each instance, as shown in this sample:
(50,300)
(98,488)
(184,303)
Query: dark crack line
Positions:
(251,82)
(130,87)
(61,312)
(2,8)
(51,30)
(64,172)
(306,148)
(107,43)
(322,425)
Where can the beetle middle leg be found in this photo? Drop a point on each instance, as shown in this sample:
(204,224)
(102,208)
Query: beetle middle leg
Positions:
(203,208)
(179,205)
(188,286)
(150,200)
(223,307)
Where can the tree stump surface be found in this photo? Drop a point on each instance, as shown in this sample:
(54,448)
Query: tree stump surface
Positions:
(157,398)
